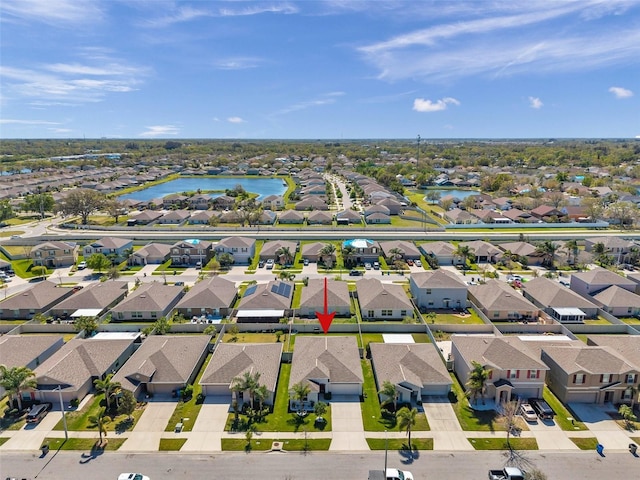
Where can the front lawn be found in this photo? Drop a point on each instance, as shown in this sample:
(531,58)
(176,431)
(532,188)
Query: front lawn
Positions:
(588,443)
(470,419)
(171,444)
(262,444)
(281,420)
(3,440)
(400,444)
(23,268)
(79,420)
(501,443)
(83,443)
(562,414)
(187,411)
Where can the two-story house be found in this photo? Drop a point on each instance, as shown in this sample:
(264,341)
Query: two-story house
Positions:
(55,254)
(273,202)
(200,202)
(438,289)
(113,247)
(243,249)
(191,252)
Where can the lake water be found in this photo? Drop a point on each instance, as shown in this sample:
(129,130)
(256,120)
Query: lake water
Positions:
(460,194)
(261,186)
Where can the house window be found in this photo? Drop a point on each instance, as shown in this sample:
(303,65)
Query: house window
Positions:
(153,315)
(428,291)
(533,374)
(496,314)
(431,304)
(605,378)
(371,313)
(513,373)
(120,316)
(176,251)
(631,378)
(627,394)
(578,378)
(403,313)
(234,249)
(387,313)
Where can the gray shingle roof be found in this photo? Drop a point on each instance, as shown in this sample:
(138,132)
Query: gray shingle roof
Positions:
(408,248)
(335,358)
(417,364)
(498,296)
(270,248)
(236,242)
(628,346)
(231,360)
(154,250)
(36,297)
(111,242)
(503,353)
(313,294)
(149,297)
(437,279)
(213,292)
(374,295)
(98,295)
(20,350)
(602,276)
(262,297)
(590,359)
(549,293)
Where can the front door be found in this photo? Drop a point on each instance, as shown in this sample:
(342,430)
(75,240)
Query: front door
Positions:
(608,397)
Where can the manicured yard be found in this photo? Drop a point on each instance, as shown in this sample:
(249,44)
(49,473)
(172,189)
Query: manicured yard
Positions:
(400,444)
(631,321)
(187,412)
(421,338)
(3,440)
(281,420)
(251,337)
(262,444)
(367,338)
(171,444)
(83,443)
(23,268)
(79,419)
(372,417)
(9,233)
(454,318)
(588,443)
(501,443)
(597,321)
(562,413)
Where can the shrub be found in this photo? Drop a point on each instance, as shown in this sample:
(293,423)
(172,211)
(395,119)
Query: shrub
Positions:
(187,392)
(200,398)
(39,271)
(74,402)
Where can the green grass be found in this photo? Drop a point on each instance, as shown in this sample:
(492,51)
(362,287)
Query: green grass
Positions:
(262,444)
(400,444)
(501,443)
(451,318)
(82,443)
(79,420)
(372,417)
(421,338)
(597,321)
(588,443)
(23,268)
(631,321)
(368,338)
(250,337)
(635,439)
(281,420)
(472,420)
(171,444)
(562,413)
(297,295)
(187,412)
(8,233)
(3,440)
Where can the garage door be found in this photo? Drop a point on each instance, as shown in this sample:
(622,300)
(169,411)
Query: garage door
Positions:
(345,389)
(216,390)
(579,397)
(435,390)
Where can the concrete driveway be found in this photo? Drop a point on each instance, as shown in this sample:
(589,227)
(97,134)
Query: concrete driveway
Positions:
(209,427)
(550,436)
(606,430)
(348,430)
(445,428)
(147,432)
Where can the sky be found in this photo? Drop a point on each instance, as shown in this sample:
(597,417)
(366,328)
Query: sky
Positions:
(332,69)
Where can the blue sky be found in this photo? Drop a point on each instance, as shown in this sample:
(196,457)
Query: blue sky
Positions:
(319,69)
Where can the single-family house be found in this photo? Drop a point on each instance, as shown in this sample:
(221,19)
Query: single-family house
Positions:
(151,254)
(202,217)
(415,369)
(148,303)
(265,302)
(595,280)
(146,217)
(519,216)
(589,374)
(457,216)
(38,299)
(328,364)
(378,219)
(174,200)
(164,364)
(191,251)
(76,365)
(55,253)
(514,370)
(520,251)
(348,217)
(394,206)
(230,361)
(311,251)
(27,350)
(443,252)
(291,216)
(484,252)
(618,301)
(319,217)
(113,247)
(499,302)
(199,201)
(311,203)
(616,246)
(382,301)
(243,249)
(98,297)
(273,202)
(555,300)
(274,250)
(211,298)
(223,202)
(438,289)
(174,217)
(361,250)
(313,297)
(406,250)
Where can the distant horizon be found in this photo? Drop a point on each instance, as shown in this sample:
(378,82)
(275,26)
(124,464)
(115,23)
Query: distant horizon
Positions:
(322,69)
(363,139)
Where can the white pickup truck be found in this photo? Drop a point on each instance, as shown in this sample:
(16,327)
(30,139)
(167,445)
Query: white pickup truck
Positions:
(507,473)
(392,474)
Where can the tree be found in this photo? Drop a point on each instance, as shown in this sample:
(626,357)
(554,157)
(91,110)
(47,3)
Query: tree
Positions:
(626,413)
(395,254)
(214,266)
(348,255)
(433,196)
(161,326)
(407,420)
(39,202)
(284,255)
(108,387)
(114,208)
(6,210)
(320,408)
(226,259)
(548,251)
(248,382)
(476,384)
(100,421)
(328,254)
(572,250)
(535,474)
(464,252)
(509,412)
(299,393)
(88,324)
(391,394)
(260,395)
(16,379)
(98,262)
(127,403)
(622,213)
(83,202)
(592,208)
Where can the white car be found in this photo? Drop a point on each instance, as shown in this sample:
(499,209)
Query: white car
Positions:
(528,413)
(82,265)
(417,263)
(132,476)
(270,264)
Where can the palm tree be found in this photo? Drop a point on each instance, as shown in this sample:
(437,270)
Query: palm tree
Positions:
(248,382)
(107,387)
(16,379)
(548,251)
(391,394)
(285,255)
(100,421)
(348,253)
(477,379)
(327,253)
(395,254)
(406,421)
(260,394)
(465,253)
(299,392)
(572,249)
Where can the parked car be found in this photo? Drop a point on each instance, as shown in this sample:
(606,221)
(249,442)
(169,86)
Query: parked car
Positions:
(305,262)
(4,277)
(507,473)
(82,265)
(198,265)
(356,273)
(260,263)
(14,237)
(528,413)
(376,266)
(132,476)
(418,263)
(542,408)
(38,412)
(10,273)
(390,474)
(270,264)
(367,266)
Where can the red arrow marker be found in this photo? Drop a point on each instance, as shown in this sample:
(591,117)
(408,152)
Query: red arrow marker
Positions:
(325,318)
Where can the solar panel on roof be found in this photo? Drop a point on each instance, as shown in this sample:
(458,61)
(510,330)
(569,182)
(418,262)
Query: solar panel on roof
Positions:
(282,289)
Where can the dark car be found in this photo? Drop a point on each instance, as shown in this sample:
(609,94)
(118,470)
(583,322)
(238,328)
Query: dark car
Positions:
(38,412)
(260,263)
(355,273)
(542,408)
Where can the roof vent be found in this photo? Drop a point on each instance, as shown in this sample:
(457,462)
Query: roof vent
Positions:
(143,296)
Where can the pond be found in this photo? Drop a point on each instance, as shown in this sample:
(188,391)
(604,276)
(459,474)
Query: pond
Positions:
(262,186)
(460,194)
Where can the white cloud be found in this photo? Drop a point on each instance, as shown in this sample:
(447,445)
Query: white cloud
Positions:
(620,92)
(535,102)
(26,122)
(60,131)
(238,63)
(325,99)
(160,131)
(285,8)
(58,13)
(235,120)
(182,14)
(422,105)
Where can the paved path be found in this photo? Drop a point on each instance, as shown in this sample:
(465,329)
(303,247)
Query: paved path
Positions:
(346,420)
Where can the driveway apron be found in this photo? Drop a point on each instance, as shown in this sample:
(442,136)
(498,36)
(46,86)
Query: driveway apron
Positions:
(348,430)
(606,430)
(445,428)
(209,426)
(147,432)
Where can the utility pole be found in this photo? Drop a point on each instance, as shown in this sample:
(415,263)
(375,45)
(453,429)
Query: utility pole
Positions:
(64,418)
(418,159)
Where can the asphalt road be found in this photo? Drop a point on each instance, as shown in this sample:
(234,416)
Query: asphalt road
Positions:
(587,465)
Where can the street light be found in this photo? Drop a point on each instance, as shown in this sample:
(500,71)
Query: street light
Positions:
(64,417)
